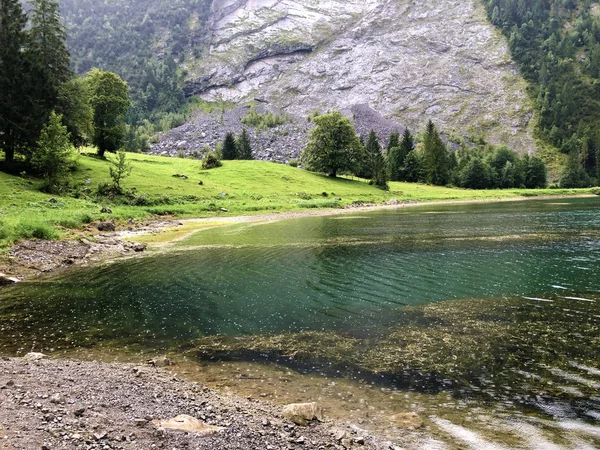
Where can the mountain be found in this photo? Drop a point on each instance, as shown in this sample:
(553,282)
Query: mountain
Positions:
(408,60)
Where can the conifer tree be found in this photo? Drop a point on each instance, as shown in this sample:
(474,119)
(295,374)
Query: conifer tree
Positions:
(375,162)
(229,150)
(244,148)
(13,67)
(394,141)
(435,157)
(397,155)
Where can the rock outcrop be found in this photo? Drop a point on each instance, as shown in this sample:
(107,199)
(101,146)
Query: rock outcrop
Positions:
(409,61)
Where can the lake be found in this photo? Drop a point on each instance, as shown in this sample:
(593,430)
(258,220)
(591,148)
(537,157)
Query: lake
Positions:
(490,305)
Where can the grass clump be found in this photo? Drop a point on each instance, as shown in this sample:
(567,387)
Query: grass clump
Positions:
(266,120)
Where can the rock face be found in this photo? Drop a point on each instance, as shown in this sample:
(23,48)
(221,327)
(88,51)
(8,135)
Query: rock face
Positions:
(409,61)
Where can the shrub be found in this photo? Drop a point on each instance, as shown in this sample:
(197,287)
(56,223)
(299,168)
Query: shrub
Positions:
(35,230)
(293,163)
(211,161)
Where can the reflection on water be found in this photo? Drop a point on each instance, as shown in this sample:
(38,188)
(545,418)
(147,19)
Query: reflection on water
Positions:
(370,298)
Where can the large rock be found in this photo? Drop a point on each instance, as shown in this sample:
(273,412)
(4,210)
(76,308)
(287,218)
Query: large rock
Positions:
(189,424)
(302,413)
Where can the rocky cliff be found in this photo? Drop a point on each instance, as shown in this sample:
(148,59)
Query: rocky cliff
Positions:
(408,60)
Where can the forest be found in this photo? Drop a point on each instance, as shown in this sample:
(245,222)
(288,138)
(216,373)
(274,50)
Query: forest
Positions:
(556,44)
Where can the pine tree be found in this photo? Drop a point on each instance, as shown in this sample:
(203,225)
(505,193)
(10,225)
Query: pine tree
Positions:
(244,148)
(394,141)
(435,157)
(229,151)
(49,58)
(376,166)
(13,111)
(54,153)
(397,155)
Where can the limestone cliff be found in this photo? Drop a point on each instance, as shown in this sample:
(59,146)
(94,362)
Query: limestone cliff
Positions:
(409,60)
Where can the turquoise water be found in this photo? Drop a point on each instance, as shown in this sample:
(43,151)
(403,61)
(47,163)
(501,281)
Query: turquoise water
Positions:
(316,273)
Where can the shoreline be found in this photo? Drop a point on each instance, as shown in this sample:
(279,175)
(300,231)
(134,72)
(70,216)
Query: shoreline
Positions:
(32,258)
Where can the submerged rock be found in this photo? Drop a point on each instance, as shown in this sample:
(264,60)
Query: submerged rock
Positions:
(35,356)
(408,420)
(6,280)
(303,413)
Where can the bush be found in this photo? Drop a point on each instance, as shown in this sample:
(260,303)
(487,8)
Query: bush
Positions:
(211,161)
(35,230)
(293,163)
(267,120)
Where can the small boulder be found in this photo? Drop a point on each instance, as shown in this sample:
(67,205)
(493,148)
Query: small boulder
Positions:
(160,361)
(6,280)
(303,413)
(106,210)
(189,424)
(106,226)
(35,356)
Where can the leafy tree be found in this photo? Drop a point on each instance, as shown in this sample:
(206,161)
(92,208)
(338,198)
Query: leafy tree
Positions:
(476,175)
(244,148)
(435,157)
(119,169)
(229,150)
(53,155)
(109,101)
(333,145)
(74,105)
(13,87)
(536,173)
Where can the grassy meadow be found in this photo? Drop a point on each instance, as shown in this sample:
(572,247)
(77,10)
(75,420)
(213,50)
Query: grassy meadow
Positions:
(240,187)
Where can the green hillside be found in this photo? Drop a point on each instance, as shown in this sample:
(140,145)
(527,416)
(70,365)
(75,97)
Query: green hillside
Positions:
(240,187)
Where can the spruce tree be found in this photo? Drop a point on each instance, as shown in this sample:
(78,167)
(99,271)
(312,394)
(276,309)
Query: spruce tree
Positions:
(244,148)
(397,155)
(13,67)
(435,157)
(394,141)
(375,161)
(49,58)
(229,151)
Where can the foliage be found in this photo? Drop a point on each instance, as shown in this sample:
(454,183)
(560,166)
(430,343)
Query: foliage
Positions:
(109,101)
(557,46)
(211,161)
(333,145)
(73,103)
(118,170)
(266,120)
(229,150)
(375,162)
(411,170)
(244,148)
(397,153)
(53,157)
(435,157)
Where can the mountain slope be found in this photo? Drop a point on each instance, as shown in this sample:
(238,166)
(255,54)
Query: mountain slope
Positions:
(409,60)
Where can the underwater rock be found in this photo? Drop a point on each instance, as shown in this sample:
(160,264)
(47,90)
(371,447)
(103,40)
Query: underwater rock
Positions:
(303,413)
(189,424)
(408,420)
(5,280)
(161,361)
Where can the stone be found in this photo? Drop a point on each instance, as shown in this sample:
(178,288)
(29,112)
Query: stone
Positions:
(35,356)
(189,424)
(106,210)
(160,361)
(106,226)
(6,280)
(407,420)
(302,413)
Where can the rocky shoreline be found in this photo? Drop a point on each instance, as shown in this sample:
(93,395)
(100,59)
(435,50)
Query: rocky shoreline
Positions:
(60,404)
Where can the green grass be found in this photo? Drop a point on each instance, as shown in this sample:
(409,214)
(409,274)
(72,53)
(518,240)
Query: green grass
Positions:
(241,187)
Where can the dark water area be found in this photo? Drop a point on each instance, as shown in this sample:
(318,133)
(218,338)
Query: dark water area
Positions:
(495,301)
